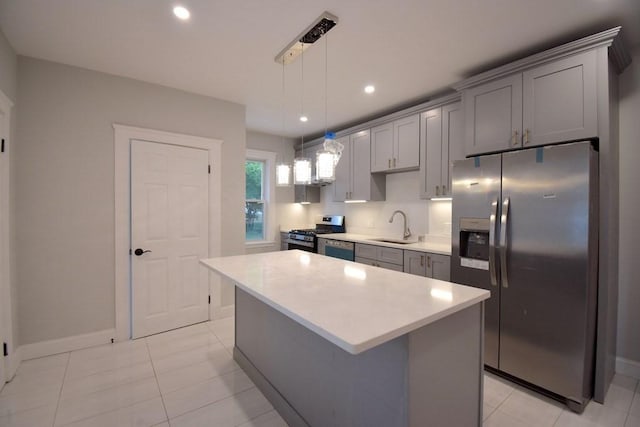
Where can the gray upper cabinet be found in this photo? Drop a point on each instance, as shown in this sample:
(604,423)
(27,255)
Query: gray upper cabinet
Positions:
(441,143)
(395,146)
(306,194)
(354,180)
(493,115)
(342,184)
(559,101)
(553,102)
(381,147)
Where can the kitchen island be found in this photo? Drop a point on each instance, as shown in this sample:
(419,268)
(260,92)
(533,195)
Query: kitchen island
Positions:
(334,343)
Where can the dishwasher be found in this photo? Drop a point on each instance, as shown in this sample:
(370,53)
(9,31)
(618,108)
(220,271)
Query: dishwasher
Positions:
(337,249)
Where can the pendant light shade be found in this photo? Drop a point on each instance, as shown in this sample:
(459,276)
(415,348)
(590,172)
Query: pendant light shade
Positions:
(302,171)
(325,167)
(283,175)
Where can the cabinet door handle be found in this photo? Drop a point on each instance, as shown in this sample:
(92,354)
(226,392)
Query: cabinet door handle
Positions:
(428,261)
(437,190)
(444,190)
(389,167)
(394,162)
(526,136)
(346,195)
(421,260)
(514,138)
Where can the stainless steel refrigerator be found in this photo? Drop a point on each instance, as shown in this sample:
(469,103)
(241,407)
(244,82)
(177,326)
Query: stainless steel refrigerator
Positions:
(525,228)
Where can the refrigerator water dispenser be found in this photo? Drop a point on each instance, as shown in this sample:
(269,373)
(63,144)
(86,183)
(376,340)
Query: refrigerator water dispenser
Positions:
(474,243)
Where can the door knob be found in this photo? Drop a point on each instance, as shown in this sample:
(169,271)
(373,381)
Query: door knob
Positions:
(139,251)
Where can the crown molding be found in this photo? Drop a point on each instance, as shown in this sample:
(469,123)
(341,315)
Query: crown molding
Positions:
(618,54)
(418,108)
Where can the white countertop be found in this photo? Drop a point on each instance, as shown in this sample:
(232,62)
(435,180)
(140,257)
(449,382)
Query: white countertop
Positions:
(431,247)
(354,306)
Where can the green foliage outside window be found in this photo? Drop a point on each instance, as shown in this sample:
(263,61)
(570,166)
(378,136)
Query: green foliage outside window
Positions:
(254,205)
(254,170)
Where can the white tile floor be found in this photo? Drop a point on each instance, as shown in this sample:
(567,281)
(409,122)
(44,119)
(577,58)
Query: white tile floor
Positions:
(187,377)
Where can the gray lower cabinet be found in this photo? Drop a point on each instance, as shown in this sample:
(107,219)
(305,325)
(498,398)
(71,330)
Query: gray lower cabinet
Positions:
(283,237)
(553,102)
(380,256)
(427,264)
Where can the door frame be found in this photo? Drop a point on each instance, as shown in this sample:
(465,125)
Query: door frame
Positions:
(6,325)
(123,135)
(6,309)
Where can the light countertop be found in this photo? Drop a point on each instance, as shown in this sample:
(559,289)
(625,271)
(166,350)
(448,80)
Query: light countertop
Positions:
(354,306)
(431,247)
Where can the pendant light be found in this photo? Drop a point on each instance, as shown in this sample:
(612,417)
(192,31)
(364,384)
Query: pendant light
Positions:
(283,169)
(302,164)
(325,159)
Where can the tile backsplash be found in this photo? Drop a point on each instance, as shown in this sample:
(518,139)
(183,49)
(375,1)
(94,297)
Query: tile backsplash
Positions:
(424,217)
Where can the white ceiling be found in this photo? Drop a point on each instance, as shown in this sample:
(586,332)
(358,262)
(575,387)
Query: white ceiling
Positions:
(410,49)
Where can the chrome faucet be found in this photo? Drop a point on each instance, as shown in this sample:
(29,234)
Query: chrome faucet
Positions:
(407,233)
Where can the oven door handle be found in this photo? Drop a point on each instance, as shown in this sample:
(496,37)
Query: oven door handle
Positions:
(299,242)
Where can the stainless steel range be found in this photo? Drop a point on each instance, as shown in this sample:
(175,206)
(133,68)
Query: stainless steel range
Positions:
(306,239)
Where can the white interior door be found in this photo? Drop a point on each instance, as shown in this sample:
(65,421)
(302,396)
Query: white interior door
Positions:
(169,224)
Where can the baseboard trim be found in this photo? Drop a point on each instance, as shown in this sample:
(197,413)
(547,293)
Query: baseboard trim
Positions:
(62,345)
(630,368)
(224,312)
(13,361)
(282,406)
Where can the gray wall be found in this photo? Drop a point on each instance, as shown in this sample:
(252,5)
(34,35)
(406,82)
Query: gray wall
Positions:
(629,284)
(64,179)
(285,212)
(9,86)
(8,68)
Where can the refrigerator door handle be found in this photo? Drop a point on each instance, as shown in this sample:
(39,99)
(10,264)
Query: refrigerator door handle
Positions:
(504,220)
(492,243)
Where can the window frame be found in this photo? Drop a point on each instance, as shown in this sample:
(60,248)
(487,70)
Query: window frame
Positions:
(268,196)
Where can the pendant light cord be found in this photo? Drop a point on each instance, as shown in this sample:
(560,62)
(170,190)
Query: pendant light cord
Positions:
(282,105)
(302,91)
(325,82)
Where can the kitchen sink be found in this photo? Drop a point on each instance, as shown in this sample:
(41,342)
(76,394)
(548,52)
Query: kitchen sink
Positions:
(396,241)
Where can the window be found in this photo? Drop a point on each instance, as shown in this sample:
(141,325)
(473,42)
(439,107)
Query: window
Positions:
(258,190)
(254,206)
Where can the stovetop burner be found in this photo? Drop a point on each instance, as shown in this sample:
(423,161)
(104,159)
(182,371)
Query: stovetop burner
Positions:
(306,231)
(326,224)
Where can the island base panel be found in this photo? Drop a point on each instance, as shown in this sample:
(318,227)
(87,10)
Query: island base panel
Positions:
(312,382)
(446,370)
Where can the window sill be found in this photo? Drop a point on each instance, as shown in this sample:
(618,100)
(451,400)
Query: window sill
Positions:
(260,244)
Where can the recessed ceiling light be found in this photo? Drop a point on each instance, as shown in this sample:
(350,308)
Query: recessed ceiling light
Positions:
(181,12)
(369,89)
(304,118)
